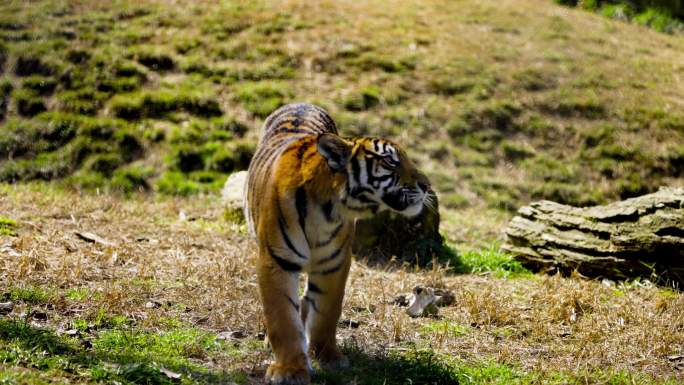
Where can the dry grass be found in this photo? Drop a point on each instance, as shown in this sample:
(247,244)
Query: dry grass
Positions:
(200,271)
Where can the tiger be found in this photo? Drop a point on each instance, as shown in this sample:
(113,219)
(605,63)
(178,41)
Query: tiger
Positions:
(305,187)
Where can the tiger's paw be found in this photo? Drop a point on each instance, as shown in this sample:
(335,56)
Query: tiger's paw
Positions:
(331,359)
(287,375)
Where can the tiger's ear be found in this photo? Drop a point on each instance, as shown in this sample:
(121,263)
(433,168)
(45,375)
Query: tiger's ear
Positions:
(335,150)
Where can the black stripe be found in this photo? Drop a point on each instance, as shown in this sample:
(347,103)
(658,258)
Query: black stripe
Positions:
(300,204)
(356,191)
(313,288)
(313,304)
(286,238)
(283,263)
(332,236)
(332,256)
(292,302)
(364,199)
(329,122)
(331,270)
(356,169)
(327,210)
(300,151)
(283,230)
(369,171)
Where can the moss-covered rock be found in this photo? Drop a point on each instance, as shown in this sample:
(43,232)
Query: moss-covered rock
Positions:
(389,235)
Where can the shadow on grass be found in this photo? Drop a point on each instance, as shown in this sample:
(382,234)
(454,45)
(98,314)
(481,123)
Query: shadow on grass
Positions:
(406,367)
(27,346)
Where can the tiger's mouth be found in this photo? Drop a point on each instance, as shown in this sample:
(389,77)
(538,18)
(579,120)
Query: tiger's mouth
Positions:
(406,201)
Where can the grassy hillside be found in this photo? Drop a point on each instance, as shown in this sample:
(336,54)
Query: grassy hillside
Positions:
(501,103)
(136,112)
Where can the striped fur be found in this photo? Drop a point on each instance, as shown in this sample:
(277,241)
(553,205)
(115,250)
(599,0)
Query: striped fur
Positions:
(306,186)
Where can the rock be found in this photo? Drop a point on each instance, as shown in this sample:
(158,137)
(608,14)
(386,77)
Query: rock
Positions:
(170,374)
(93,238)
(637,237)
(6,307)
(349,324)
(232,197)
(424,301)
(39,315)
(231,335)
(388,234)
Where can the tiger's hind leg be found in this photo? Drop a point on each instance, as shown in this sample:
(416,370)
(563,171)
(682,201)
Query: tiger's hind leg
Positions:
(278,287)
(321,309)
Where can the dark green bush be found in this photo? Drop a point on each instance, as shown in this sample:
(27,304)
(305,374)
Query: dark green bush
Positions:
(4,54)
(131,179)
(28,102)
(104,163)
(661,15)
(40,85)
(365,99)
(149,104)
(187,158)
(30,64)
(262,98)
(154,59)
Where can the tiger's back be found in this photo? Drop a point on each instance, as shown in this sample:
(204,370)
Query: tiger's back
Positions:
(291,127)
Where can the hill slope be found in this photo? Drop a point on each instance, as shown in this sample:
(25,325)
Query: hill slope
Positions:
(501,103)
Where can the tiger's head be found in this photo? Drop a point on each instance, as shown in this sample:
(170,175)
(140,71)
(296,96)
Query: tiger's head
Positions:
(379,175)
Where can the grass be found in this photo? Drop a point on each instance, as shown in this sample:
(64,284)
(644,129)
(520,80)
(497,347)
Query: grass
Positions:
(130,99)
(499,107)
(164,294)
(491,261)
(662,16)
(7,226)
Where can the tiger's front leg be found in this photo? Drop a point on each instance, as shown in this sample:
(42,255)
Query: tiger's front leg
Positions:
(321,309)
(278,288)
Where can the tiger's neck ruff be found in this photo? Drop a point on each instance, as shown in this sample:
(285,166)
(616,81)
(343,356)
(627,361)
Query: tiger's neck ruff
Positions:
(305,188)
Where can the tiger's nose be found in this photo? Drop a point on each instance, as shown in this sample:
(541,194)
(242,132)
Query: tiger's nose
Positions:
(423,186)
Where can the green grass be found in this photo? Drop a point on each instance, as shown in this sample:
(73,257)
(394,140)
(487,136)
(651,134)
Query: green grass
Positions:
(33,295)
(127,356)
(413,365)
(490,261)
(659,15)
(445,327)
(8,226)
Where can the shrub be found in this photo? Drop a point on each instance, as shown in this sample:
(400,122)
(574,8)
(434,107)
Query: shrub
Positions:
(659,19)
(4,54)
(367,98)
(371,60)
(176,183)
(187,158)
(104,163)
(131,179)
(149,104)
(153,58)
(31,64)
(40,85)
(28,102)
(262,98)
(86,101)
(77,55)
